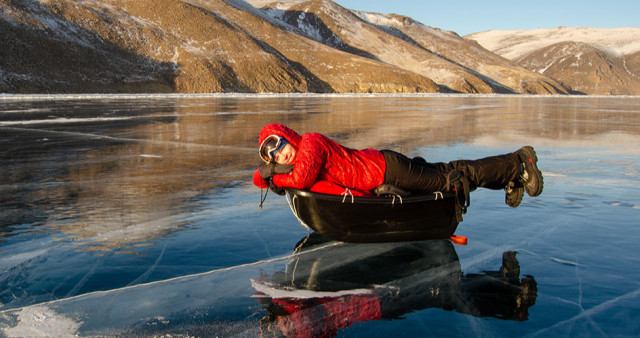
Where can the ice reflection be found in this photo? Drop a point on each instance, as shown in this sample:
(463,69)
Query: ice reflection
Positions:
(323,290)
(164,181)
(325,286)
(90,168)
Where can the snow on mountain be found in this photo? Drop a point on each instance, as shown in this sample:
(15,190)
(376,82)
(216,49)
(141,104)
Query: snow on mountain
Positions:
(404,43)
(515,43)
(196,46)
(176,46)
(603,61)
(278,4)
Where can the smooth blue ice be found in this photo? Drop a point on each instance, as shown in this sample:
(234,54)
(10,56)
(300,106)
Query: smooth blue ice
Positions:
(135,215)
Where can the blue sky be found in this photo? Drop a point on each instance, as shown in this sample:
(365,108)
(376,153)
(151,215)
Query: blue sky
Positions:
(465,16)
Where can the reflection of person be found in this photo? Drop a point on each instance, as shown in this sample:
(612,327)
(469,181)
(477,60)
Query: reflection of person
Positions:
(318,294)
(302,161)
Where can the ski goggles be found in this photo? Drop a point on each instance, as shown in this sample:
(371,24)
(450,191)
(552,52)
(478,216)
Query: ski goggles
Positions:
(270,147)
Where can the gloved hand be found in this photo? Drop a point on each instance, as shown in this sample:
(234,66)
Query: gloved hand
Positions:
(268,170)
(276,189)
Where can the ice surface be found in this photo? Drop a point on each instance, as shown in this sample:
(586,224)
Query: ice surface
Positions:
(136,216)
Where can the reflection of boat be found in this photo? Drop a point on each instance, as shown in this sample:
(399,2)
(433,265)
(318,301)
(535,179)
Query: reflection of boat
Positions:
(329,286)
(377,219)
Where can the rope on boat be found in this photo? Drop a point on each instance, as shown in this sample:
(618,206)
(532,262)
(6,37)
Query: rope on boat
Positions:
(438,193)
(393,202)
(345,192)
(291,201)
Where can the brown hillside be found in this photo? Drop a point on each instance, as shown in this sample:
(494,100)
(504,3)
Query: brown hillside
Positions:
(199,46)
(584,69)
(474,63)
(43,53)
(344,72)
(346,31)
(631,64)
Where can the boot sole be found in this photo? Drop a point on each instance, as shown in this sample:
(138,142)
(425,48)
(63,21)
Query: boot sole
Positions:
(534,185)
(514,198)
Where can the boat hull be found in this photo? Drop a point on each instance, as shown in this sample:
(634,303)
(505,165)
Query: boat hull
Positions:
(376,219)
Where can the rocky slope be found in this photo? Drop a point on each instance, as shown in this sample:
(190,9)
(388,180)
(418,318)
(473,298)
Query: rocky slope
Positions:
(201,46)
(440,55)
(583,60)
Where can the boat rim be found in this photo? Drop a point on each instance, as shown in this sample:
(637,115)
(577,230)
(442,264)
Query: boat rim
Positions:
(346,196)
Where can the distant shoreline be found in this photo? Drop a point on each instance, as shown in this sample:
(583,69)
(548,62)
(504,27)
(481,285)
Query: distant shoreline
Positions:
(63,97)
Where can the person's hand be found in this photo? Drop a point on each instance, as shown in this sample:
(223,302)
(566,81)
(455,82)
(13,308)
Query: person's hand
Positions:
(283,168)
(275,188)
(268,170)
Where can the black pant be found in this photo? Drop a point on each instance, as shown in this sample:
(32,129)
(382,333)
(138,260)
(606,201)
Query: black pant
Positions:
(419,176)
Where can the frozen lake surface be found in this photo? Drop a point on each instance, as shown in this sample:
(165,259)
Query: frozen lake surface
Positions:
(135,215)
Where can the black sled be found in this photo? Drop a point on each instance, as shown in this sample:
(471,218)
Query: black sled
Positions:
(349,218)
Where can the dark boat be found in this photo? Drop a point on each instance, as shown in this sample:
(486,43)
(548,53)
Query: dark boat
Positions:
(349,218)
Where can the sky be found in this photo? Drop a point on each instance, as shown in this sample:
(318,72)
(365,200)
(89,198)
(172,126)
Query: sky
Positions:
(466,16)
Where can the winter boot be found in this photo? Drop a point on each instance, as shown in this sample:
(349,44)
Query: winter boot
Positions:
(514,191)
(531,176)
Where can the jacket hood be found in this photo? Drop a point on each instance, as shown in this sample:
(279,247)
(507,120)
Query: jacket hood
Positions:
(282,131)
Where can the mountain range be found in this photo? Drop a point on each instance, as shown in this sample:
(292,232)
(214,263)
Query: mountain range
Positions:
(603,61)
(294,46)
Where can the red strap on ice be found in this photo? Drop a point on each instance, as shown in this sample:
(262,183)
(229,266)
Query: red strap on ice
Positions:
(460,240)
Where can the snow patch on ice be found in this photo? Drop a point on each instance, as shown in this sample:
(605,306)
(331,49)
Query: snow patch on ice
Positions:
(14,260)
(63,120)
(40,321)
(274,291)
(622,204)
(564,261)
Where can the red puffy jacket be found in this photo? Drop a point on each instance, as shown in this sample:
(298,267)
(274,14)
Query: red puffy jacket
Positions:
(319,158)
